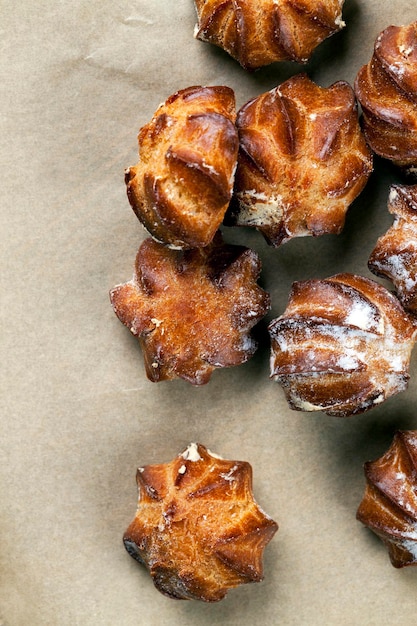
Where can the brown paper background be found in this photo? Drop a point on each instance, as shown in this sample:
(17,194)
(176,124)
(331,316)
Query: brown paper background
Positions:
(78,414)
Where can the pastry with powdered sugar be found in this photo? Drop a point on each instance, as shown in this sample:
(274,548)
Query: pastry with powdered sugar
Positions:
(342,346)
(395,254)
(389,504)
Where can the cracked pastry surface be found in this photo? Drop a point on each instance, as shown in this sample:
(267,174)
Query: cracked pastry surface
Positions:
(259,32)
(389,504)
(387,90)
(192,310)
(182,184)
(302,160)
(395,254)
(198,529)
(342,346)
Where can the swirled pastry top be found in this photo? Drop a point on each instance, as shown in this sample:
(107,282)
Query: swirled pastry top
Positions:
(302,160)
(395,254)
(389,504)
(181,186)
(387,90)
(342,346)
(192,310)
(259,32)
(198,529)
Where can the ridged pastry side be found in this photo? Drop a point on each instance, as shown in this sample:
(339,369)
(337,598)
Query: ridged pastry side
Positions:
(260,32)
(302,160)
(182,185)
(198,529)
(387,90)
(192,310)
(342,346)
(395,254)
(389,504)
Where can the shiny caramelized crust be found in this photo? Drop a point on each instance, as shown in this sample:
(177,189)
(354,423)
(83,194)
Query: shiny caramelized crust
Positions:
(183,182)
(387,90)
(389,505)
(395,253)
(342,346)
(302,160)
(192,310)
(198,529)
(259,32)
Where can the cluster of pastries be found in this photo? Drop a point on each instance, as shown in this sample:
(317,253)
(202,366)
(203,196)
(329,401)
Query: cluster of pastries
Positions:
(198,529)
(289,163)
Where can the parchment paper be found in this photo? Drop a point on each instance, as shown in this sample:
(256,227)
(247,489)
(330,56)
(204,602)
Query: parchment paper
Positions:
(78,414)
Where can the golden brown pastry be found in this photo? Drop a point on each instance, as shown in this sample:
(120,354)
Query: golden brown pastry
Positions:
(181,186)
(395,253)
(259,32)
(302,160)
(387,90)
(389,505)
(192,310)
(342,346)
(198,529)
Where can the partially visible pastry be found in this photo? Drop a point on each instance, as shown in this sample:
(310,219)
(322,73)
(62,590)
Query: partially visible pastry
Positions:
(389,504)
(192,310)
(259,32)
(387,90)
(342,346)
(198,529)
(302,160)
(395,254)
(181,186)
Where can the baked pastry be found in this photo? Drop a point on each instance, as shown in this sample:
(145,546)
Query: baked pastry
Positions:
(181,186)
(387,90)
(302,160)
(389,504)
(259,32)
(395,254)
(342,346)
(198,529)
(192,310)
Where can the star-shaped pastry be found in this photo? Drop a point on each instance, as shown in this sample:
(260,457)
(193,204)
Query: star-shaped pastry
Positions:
(192,310)
(302,160)
(259,32)
(198,529)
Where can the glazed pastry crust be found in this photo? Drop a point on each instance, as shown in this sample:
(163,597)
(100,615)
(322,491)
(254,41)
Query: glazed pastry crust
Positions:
(342,346)
(387,90)
(181,186)
(198,529)
(192,310)
(389,504)
(302,160)
(395,254)
(260,32)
